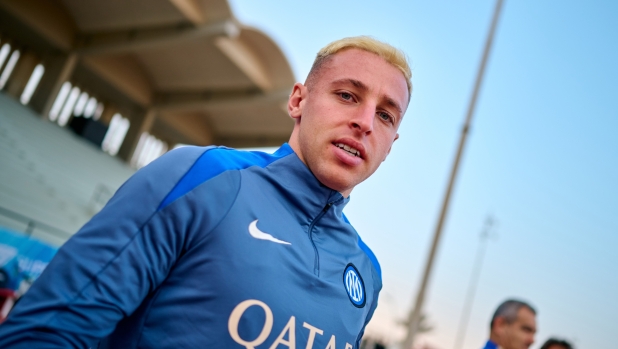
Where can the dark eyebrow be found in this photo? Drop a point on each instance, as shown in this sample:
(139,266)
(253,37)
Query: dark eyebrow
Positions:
(528,328)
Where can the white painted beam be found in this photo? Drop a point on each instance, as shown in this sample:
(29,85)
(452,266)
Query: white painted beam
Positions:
(135,40)
(191,9)
(246,60)
(239,101)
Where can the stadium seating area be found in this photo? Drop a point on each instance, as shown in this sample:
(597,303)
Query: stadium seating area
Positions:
(50,176)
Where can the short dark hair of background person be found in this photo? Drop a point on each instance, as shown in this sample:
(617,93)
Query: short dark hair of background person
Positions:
(556,342)
(508,310)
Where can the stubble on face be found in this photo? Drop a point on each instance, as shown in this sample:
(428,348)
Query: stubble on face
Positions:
(341,133)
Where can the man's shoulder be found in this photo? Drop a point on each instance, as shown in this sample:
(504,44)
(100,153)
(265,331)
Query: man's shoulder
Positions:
(209,162)
(213,160)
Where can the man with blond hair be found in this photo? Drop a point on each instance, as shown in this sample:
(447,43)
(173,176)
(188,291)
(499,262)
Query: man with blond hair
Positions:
(210,247)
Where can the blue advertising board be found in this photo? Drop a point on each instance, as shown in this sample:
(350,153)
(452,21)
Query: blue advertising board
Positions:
(22,259)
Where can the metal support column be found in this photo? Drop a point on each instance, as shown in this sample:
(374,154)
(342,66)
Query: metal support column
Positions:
(415,314)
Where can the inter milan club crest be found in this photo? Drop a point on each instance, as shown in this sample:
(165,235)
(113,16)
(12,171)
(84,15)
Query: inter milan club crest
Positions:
(354,285)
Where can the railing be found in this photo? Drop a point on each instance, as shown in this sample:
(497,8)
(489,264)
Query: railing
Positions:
(32,224)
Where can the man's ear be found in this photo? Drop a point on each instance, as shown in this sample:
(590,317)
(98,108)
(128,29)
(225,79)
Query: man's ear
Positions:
(391,147)
(295,102)
(499,325)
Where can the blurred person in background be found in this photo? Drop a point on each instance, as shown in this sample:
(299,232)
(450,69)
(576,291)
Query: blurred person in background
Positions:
(210,247)
(512,326)
(554,343)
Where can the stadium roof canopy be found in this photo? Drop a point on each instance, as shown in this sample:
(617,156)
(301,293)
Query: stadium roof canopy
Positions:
(186,70)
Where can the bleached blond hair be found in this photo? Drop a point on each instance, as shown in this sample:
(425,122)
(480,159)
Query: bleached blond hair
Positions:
(390,54)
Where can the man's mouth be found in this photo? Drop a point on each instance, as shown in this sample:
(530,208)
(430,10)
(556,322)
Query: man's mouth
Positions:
(348,149)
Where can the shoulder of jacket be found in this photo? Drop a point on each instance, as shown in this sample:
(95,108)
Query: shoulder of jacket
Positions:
(209,163)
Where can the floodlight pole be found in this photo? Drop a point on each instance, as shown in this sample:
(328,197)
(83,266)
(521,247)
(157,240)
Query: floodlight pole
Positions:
(474,280)
(415,314)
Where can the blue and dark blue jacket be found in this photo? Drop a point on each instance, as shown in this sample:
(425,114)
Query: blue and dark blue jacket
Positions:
(207,248)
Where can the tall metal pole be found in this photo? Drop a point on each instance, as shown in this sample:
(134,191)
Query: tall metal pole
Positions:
(415,314)
(474,279)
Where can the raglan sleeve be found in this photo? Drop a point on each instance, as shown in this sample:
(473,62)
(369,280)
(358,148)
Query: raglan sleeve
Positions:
(377,287)
(103,273)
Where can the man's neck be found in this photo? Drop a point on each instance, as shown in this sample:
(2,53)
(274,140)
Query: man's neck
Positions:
(293,143)
(494,342)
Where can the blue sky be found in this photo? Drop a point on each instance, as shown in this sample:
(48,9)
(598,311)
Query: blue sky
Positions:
(541,157)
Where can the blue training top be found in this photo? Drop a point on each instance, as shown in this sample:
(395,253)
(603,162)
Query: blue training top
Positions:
(207,248)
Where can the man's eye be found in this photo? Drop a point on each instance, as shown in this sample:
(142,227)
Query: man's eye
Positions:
(384,116)
(345,96)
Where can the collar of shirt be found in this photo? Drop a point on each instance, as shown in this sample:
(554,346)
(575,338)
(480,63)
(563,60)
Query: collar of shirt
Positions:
(303,189)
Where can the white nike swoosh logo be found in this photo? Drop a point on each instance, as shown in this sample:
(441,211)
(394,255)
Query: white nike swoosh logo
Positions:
(258,234)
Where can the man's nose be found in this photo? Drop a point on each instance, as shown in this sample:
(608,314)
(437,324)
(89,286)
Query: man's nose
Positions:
(363,119)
